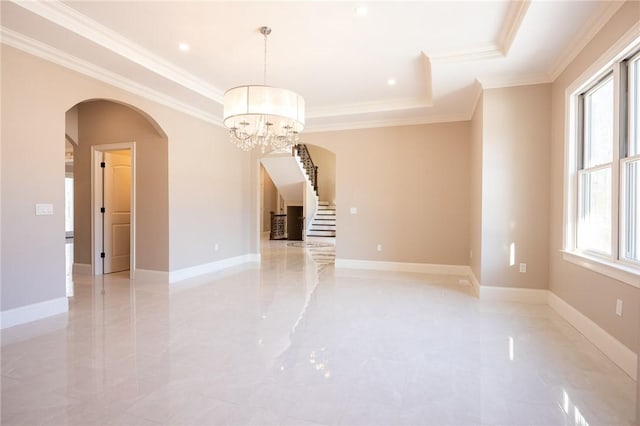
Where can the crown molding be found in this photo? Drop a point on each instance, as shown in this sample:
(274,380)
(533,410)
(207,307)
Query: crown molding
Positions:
(428,79)
(515,15)
(508,32)
(367,107)
(589,30)
(512,81)
(370,124)
(476,97)
(72,20)
(56,56)
(479,52)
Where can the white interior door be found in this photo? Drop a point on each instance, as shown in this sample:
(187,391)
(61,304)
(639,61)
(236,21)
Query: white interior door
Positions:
(117,216)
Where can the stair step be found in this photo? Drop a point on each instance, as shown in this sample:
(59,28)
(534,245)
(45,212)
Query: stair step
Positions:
(324,222)
(312,233)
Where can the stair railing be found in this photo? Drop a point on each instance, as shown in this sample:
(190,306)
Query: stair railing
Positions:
(311,169)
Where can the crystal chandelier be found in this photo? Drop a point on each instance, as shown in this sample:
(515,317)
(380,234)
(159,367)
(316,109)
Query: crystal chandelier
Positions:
(261,115)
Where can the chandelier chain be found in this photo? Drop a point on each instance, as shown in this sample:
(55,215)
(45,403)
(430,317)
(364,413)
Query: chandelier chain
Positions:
(265,31)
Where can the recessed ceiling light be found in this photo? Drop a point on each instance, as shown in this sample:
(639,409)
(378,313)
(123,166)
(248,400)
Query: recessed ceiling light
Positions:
(361,10)
(184,47)
(391,82)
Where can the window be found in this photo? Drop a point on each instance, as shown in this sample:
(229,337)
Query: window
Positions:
(596,168)
(602,225)
(630,179)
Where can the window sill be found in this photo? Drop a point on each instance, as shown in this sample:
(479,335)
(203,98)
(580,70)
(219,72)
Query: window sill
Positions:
(617,271)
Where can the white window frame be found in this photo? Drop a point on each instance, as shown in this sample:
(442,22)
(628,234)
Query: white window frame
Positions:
(610,265)
(588,169)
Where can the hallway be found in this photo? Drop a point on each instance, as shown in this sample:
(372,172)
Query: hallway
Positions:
(291,341)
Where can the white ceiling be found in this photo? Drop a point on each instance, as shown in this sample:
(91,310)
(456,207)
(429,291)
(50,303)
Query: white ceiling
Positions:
(439,52)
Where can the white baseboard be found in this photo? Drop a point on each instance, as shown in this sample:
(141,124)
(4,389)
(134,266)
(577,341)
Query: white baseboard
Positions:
(474,281)
(33,312)
(421,268)
(508,294)
(81,269)
(624,357)
(207,268)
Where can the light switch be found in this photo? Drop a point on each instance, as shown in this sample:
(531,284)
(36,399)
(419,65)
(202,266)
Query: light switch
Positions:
(44,209)
(353,210)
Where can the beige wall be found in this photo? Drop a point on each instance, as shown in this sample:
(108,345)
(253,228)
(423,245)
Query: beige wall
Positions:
(209,194)
(592,294)
(475,190)
(515,185)
(208,179)
(104,122)
(410,185)
(325,160)
(32,246)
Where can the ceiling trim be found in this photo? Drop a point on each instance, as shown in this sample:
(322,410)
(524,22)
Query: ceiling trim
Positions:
(515,16)
(512,81)
(448,118)
(484,51)
(428,79)
(74,21)
(367,107)
(508,32)
(56,56)
(476,97)
(598,20)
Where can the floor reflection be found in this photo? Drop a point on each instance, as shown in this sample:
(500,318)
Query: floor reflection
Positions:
(295,341)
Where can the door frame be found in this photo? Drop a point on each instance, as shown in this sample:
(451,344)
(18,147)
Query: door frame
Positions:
(96,204)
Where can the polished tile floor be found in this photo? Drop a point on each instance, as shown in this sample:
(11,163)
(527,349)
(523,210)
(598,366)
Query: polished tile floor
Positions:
(295,341)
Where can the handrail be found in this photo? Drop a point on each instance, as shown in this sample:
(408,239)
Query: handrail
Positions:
(307,162)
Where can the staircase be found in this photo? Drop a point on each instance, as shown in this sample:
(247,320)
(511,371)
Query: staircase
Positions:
(324,221)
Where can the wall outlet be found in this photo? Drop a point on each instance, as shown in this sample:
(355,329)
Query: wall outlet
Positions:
(619,307)
(216,247)
(44,209)
(379,247)
(523,267)
(353,210)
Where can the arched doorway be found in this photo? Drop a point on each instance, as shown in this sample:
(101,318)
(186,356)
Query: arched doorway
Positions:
(272,195)
(100,128)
